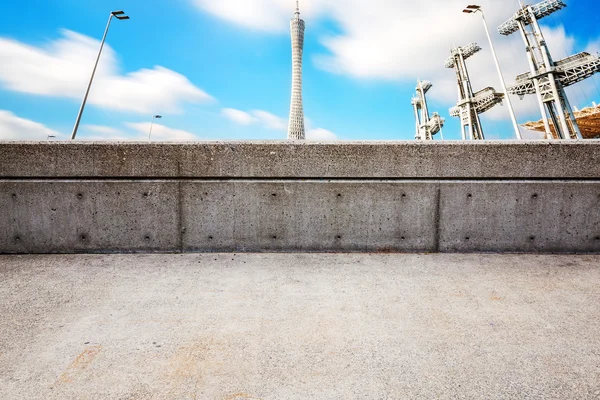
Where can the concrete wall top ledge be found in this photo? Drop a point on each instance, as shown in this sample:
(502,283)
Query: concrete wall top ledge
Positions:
(292,159)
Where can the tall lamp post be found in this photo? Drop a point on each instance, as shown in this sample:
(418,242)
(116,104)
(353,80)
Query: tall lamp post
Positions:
(152,123)
(472,9)
(120,15)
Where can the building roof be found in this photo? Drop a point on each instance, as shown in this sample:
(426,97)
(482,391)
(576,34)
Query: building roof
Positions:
(588,120)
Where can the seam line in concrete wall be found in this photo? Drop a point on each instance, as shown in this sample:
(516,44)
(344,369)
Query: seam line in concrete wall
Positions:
(180,228)
(437,219)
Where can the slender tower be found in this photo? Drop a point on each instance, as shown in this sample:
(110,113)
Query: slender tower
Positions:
(296,126)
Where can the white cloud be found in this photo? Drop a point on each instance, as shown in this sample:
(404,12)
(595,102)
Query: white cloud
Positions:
(320,134)
(16,128)
(593,47)
(266,15)
(371,41)
(134,131)
(261,117)
(238,116)
(271,121)
(160,132)
(62,68)
(101,132)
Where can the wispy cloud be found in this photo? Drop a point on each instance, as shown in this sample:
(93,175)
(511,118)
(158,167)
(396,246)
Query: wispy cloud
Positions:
(274,122)
(238,116)
(62,69)
(13,127)
(271,121)
(264,118)
(320,134)
(160,132)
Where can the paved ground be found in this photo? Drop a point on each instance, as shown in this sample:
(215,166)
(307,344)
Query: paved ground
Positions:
(299,326)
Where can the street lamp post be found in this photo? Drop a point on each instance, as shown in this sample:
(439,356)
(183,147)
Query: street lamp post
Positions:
(120,15)
(152,123)
(471,9)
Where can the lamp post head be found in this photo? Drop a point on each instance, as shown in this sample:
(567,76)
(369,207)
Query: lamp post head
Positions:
(471,9)
(119,15)
(158,116)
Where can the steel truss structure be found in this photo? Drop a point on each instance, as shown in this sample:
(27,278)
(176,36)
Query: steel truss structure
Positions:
(470,104)
(547,78)
(427,126)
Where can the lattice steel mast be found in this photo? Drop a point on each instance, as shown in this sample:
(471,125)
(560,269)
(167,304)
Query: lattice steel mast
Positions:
(427,126)
(296,123)
(547,78)
(470,104)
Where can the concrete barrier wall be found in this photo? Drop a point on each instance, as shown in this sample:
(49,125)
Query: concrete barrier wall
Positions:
(281,196)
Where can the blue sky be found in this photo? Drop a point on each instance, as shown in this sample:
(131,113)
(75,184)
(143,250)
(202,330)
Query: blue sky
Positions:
(221,69)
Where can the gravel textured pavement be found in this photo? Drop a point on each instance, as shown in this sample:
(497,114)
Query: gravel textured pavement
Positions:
(300,326)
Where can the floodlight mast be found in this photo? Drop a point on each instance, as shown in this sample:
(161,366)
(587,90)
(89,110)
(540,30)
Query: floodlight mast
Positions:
(426,126)
(470,104)
(547,79)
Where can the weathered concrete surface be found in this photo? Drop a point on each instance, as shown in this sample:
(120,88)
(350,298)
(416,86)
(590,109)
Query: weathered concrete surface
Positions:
(309,216)
(58,197)
(283,159)
(524,216)
(299,326)
(57,216)
(73,216)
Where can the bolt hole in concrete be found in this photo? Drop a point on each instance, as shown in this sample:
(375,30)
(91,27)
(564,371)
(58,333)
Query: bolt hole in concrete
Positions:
(532,238)
(402,238)
(469,195)
(534,196)
(274,237)
(18,238)
(145,194)
(467,238)
(339,195)
(83,237)
(147,238)
(79,196)
(597,237)
(14,195)
(210,238)
(338,237)
(274,195)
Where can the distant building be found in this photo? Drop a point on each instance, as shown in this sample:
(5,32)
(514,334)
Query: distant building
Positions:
(296,124)
(588,121)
